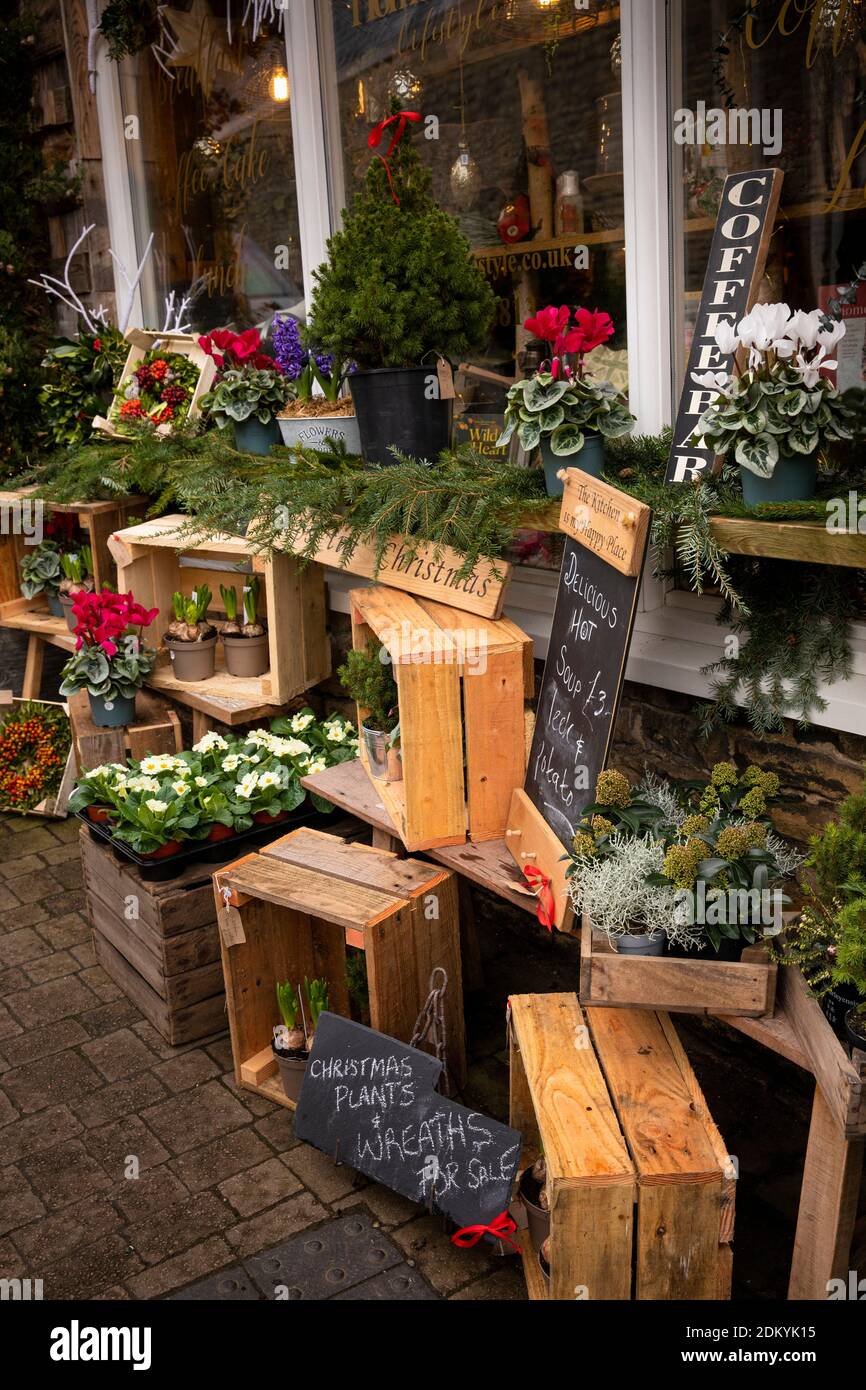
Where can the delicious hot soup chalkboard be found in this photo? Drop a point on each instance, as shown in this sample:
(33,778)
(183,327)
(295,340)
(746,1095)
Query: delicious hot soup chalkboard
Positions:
(595,605)
(581,685)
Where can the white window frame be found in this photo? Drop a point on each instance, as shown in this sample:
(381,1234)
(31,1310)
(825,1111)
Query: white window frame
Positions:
(675,632)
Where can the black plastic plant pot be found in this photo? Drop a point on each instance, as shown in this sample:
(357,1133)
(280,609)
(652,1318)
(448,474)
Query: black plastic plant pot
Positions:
(292,1067)
(207,851)
(836,1004)
(855,1028)
(396,409)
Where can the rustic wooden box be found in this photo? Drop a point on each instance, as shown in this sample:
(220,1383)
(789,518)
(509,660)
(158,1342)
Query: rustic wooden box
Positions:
(98,520)
(156,730)
(158,941)
(302,901)
(291,602)
(141,340)
(746,987)
(462,681)
(641,1186)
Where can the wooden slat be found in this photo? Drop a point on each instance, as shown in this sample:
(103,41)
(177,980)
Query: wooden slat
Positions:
(282,588)
(530,840)
(495,751)
(790,540)
(828,1205)
(178,990)
(202,1019)
(679,1177)
(304,890)
(428,576)
(591,1180)
(775,1033)
(429,703)
(257,1069)
(841,1083)
(354,863)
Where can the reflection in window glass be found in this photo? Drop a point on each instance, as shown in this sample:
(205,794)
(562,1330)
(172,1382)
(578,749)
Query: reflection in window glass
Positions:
(527,151)
(802,69)
(213,176)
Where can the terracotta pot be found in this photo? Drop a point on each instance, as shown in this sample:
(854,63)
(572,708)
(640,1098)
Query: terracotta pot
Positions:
(292,1071)
(98,814)
(192,661)
(264,818)
(528,1189)
(247,656)
(165,851)
(218,831)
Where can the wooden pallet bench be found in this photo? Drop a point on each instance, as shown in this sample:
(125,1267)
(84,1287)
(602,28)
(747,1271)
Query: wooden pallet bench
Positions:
(689,985)
(462,681)
(302,902)
(640,1184)
(158,941)
(154,560)
(156,729)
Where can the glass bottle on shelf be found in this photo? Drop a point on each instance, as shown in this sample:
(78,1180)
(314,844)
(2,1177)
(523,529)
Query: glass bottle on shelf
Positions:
(568,213)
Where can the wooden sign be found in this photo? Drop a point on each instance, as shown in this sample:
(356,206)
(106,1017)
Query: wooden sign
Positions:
(737,258)
(371,1103)
(580,690)
(605,520)
(430,572)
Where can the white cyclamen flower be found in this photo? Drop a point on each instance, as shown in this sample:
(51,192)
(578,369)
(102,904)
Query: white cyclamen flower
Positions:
(829,337)
(804,328)
(811,371)
(726,338)
(719,382)
(157,807)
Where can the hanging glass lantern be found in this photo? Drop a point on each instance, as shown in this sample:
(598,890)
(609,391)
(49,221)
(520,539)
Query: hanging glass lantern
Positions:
(465,177)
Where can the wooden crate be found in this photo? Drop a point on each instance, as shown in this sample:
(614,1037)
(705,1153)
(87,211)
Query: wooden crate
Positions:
(141,340)
(450,704)
(746,987)
(641,1187)
(292,603)
(156,730)
(302,902)
(98,520)
(158,941)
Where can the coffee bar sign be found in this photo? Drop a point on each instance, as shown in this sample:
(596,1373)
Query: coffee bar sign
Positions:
(737,258)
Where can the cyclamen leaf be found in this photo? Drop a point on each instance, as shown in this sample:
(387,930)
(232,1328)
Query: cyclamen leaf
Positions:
(758,455)
(529,433)
(539,397)
(566,439)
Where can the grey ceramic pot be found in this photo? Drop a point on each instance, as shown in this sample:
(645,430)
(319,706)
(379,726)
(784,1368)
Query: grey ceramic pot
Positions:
(793,480)
(192,661)
(590,459)
(111,714)
(644,944)
(292,1071)
(246,656)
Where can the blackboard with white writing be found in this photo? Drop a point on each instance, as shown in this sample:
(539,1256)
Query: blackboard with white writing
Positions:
(370,1102)
(580,689)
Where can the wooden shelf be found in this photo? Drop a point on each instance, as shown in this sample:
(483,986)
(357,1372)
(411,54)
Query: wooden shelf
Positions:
(228,699)
(557,243)
(789,540)
(35,619)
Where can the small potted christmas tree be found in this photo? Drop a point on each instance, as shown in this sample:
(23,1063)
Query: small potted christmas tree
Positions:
(399,290)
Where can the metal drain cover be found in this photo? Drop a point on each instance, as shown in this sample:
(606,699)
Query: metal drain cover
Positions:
(230,1286)
(322,1263)
(398,1284)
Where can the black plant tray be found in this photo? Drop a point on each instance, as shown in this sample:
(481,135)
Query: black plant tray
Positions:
(209,852)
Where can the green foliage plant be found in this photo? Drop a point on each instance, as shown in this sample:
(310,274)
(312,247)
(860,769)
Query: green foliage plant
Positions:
(399,281)
(367,679)
(246,393)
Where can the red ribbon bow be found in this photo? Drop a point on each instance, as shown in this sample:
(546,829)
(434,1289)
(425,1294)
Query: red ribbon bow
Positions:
(540,885)
(375,137)
(502,1226)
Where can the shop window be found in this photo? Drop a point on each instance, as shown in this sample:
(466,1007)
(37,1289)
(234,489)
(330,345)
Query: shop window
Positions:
(525,148)
(209,147)
(784,83)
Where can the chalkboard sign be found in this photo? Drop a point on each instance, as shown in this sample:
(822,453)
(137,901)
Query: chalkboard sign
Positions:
(738,254)
(371,1103)
(592,623)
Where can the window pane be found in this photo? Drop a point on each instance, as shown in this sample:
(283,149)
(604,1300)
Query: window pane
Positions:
(213,176)
(799,68)
(528,155)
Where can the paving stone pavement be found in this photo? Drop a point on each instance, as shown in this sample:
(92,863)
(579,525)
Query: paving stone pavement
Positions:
(224,1196)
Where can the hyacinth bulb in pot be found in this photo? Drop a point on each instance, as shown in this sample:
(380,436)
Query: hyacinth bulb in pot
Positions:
(248,391)
(562,410)
(77,570)
(109,661)
(399,290)
(245,643)
(312,417)
(190,638)
(366,679)
(293,1038)
(777,411)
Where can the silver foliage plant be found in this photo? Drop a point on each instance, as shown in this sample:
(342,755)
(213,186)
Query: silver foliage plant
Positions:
(613,891)
(659,792)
